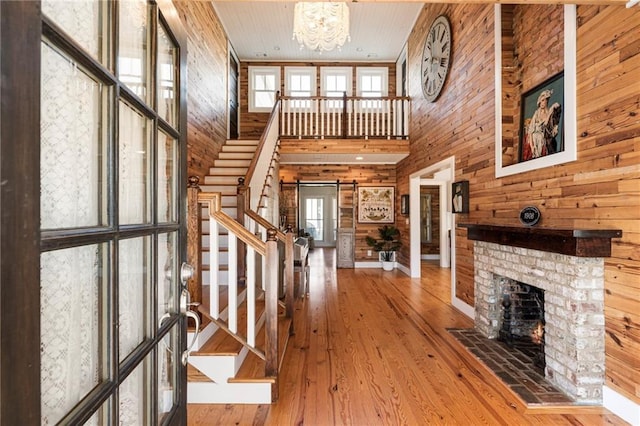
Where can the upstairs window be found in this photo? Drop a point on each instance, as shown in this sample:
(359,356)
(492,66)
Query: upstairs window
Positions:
(300,82)
(334,82)
(373,82)
(264,82)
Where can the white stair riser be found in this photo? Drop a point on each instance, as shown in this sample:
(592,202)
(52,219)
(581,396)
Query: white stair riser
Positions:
(228,393)
(219,368)
(221,180)
(223,258)
(238,148)
(231,190)
(245,142)
(223,241)
(236,155)
(230,163)
(228,171)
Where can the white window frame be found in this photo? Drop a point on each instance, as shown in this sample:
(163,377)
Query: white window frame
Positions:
(255,71)
(289,73)
(336,71)
(372,71)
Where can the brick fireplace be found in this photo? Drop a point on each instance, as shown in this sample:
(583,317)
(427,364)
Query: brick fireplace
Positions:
(573,282)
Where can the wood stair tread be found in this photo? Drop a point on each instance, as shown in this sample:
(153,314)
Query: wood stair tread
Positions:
(222,343)
(252,369)
(195,375)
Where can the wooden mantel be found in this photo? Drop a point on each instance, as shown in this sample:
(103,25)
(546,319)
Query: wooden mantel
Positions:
(572,242)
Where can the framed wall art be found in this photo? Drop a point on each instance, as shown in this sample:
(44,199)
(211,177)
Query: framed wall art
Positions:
(541,121)
(460,197)
(376,204)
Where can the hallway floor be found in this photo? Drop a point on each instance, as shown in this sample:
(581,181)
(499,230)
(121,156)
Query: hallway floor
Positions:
(372,348)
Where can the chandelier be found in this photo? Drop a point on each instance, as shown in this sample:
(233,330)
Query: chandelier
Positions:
(321,26)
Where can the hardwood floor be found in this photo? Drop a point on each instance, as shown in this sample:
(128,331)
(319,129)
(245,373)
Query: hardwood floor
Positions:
(371,348)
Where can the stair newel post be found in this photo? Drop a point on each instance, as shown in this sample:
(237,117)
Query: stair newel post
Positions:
(242,202)
(194,230)
(271,308)
(289,274)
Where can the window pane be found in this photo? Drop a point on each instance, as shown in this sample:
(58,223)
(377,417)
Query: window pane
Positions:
(84,21)
(133,293)
(134,166)
(132,39)
(72,151)
(265,99)
(270,82)
(134,396)
(168,362)
(167,83)
(167,268)
(167,178)
(314,219)
(72,330)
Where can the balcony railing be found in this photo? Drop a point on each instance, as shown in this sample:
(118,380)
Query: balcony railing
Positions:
(345,117)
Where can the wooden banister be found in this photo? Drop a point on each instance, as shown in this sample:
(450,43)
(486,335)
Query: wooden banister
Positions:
(263,140)
(214,202)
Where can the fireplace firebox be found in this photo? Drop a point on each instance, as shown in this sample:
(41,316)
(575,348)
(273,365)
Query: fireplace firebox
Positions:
(522,320)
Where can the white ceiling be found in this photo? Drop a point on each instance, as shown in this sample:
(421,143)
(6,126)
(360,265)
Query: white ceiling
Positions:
(263,31)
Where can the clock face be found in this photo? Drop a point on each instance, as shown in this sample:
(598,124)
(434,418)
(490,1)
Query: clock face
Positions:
(436,57)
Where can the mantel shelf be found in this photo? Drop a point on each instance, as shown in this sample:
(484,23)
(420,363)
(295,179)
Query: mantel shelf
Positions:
(572,242)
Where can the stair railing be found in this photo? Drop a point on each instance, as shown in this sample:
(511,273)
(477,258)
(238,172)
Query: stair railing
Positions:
(344,117)
(268,250)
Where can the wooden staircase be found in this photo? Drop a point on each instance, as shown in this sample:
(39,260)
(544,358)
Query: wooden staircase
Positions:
(223,368)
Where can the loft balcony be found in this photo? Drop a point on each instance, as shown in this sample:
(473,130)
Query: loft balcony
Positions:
(333,130)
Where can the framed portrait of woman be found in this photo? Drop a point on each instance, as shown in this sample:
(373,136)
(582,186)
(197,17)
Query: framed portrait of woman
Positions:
(541,120)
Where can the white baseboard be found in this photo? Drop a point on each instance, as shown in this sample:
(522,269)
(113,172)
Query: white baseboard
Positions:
(367,265)
(403,269)
(430,257)
(621,406)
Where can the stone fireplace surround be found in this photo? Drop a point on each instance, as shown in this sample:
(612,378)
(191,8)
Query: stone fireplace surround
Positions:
(573,281)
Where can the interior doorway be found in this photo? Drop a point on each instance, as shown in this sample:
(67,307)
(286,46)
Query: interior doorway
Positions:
(318,213)
(440,175)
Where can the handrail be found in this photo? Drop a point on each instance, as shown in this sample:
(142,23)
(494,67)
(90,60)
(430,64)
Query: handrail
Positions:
(265,223)
(214,201)
(263,141)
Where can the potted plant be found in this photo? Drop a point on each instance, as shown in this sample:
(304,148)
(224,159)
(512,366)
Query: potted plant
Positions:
(386,245)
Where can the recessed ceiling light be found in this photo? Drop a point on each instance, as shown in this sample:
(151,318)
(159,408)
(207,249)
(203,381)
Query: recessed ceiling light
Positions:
(359,49)
(359,158)
(276,48)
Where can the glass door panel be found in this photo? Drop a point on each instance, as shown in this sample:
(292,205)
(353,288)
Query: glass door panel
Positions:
(85,22)
(168,351)
(73,146)
(133,293)
(314,218)
(167,178)
(111,333)
(134,166)
(72,327)
(133,66)
(134,396)
(167,86)
(167,272)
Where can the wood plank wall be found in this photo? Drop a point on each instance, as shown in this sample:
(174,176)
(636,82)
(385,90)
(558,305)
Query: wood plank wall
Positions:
(364,175)
(252,124)
(206,86)
(599,190)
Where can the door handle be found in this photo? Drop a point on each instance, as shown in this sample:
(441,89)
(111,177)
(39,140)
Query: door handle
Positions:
(187,352)
(186,272)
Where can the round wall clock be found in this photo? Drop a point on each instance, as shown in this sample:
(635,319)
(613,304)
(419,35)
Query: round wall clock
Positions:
(436,57)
